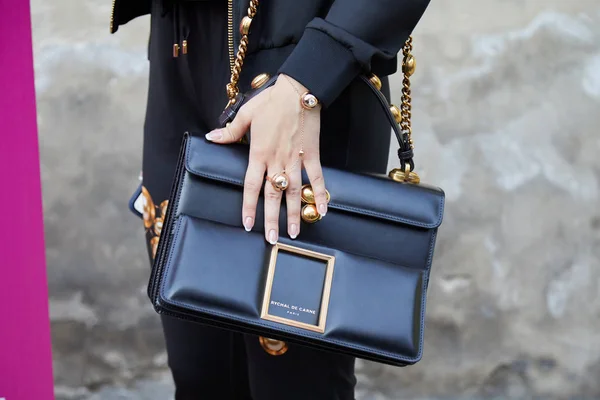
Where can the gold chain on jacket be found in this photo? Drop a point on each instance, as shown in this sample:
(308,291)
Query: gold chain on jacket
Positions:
(232,86)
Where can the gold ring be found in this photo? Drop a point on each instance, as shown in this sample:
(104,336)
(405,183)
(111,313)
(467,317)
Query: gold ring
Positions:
(279,181)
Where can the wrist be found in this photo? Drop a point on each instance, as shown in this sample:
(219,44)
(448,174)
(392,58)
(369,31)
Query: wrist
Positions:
(284,79)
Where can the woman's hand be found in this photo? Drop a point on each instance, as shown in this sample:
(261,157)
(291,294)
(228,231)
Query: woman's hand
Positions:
(279,132)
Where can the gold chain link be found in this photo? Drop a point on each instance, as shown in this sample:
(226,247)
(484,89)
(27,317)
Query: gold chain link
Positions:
(232,86)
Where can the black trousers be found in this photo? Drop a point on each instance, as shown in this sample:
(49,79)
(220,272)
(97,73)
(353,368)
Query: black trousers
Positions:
(187,93)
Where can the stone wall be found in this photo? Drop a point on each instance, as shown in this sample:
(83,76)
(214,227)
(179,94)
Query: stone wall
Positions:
(506,109)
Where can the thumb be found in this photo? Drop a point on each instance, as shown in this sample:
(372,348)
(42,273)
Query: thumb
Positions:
(233,131)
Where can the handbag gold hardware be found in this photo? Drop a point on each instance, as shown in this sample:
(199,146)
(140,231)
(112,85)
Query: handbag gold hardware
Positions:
(322,312)
(404,176)
(403,114)
(245,25)
(375,81)
(272,346)
(409,65)
(396,113)
(259,80)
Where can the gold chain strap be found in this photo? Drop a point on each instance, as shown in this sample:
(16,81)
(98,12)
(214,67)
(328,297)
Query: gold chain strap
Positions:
(232,86)
(404,113)
(408,68)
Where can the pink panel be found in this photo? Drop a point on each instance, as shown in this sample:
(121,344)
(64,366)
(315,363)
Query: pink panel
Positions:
(25,352)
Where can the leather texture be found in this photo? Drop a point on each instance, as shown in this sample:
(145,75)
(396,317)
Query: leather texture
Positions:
(382,234)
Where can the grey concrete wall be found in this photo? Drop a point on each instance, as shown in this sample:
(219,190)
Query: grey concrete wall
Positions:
(507,100)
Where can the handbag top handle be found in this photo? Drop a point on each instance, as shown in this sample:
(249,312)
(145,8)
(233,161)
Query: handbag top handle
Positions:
(399,118)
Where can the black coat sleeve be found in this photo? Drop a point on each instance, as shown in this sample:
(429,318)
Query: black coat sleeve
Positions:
(334,50)
(125,10)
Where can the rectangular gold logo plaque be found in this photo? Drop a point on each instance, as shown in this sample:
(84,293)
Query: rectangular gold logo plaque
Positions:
(298,287)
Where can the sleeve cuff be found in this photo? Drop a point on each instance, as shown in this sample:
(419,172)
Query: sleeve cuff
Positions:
(322,64)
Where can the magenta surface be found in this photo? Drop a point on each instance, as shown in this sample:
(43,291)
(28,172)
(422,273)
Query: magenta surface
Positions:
(25,353)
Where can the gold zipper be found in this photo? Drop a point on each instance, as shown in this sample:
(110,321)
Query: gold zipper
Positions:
(112,16)
(229,32)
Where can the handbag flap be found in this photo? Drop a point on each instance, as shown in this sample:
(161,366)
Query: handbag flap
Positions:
(371,195)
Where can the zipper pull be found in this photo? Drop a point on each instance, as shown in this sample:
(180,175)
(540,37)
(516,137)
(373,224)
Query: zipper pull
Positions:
(184,47)
(186,34)
(175,50)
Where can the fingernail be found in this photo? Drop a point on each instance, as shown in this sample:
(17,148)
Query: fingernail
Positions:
(322,210)
(293,231)
(272,236)
(214,135)
(248,224)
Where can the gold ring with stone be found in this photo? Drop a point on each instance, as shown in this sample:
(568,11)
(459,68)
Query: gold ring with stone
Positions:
(280,181)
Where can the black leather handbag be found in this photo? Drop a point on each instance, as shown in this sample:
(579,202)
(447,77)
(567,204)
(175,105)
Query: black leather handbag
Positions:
(354,282)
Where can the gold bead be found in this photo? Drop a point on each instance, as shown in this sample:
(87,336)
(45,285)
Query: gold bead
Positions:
(310,214)
(307,195)
(409,65)
(396,113)
(375,81)
(259,80)
(245,25)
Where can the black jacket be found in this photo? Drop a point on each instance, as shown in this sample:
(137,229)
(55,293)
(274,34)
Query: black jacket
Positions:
(323,44)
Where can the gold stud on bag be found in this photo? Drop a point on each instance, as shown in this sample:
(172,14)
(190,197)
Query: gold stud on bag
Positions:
(259,80)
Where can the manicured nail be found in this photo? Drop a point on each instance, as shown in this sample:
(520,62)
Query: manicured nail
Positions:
(293,231)
(214,135)
(322,210)
(272,236)
(248,224)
